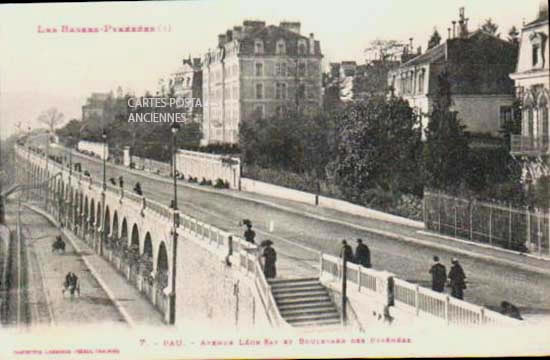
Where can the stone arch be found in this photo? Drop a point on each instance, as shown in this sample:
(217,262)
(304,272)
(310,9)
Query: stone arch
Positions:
(99,213)
(107,222)
(148,245)
(162,266)
(134,238)
(92,211)
(115,226)
(124,232)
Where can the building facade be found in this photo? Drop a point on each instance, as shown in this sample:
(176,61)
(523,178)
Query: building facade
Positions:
(532,77)
(477,65)
(185,84)
(258,71)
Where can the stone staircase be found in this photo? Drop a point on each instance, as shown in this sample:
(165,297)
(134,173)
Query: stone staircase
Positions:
(305,302)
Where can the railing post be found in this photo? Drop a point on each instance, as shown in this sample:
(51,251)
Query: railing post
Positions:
(481,315)
(490,224)
(528,239)
(417,300)
(447,301)
(510,228)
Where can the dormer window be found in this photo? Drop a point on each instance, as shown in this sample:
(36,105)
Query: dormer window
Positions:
(538,44)
(258,47)
(281,47)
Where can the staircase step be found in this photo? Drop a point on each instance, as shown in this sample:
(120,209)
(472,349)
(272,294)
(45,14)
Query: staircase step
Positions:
(306,306)
(304,301)
(301,318)
(283,290)
(301,294)
(312,311)
(295,285)
(287,281)
(335,323)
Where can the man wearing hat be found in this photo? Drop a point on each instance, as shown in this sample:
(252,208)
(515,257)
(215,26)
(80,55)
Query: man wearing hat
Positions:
(439,275)
(346,253)
(457,279)
(249,234)
(362,254)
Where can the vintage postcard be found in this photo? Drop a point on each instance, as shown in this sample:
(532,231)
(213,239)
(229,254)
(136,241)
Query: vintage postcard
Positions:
(274,179)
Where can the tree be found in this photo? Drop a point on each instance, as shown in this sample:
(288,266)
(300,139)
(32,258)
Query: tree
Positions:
(513,36)
(435,39)
(385,50)
(490,27)
(51,118)
(379,148)
(446,150)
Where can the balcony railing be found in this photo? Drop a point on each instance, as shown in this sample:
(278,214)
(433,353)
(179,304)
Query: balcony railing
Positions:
(528,145)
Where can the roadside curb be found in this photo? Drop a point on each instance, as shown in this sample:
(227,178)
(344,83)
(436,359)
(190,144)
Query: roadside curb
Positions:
(384,233)
(93,271)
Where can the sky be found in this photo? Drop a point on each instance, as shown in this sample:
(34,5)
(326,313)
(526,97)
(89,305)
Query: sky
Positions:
(40,70)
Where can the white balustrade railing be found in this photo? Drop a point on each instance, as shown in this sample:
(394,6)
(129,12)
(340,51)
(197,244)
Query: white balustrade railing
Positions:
(414,298)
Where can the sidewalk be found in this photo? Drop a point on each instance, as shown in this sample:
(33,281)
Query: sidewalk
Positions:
(132,305)
(387,229)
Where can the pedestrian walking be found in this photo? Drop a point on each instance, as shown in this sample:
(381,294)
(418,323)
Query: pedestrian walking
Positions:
(439,275)
(249,234)
(137,189)
(346,253)
(457,280)
(121,181)
(270,258)
(362,254)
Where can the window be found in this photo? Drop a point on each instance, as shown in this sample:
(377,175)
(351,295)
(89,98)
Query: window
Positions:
(259,91)
(281,47)
(259,111)
(302,69)
(301,91)
(505,115)
(258,47)
(281,110)
(259,69)
(280,91)
(280,69)
(421,82)
(536,48)
(301,47)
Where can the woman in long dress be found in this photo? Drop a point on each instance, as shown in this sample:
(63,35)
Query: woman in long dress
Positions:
(270,256)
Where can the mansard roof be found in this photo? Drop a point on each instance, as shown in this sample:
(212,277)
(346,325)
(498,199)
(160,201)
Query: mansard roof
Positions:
(270,35)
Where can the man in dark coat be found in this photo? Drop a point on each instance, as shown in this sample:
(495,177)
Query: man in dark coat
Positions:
(439,275)
(457,279)
(270,255)
(249,234)
(346,253)
(362,254)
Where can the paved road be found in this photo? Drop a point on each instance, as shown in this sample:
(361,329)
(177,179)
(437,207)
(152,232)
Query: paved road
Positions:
(489,282)
(47,271)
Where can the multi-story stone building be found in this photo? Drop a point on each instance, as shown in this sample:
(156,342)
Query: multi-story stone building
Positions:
(258,71)
(477,66)
(532,77)
(186,84)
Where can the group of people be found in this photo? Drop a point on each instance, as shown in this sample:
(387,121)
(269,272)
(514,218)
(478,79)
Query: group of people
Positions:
(269,254)
(361,256)
(456,278)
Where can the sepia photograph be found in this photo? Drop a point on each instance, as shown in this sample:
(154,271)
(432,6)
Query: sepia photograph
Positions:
(223,179)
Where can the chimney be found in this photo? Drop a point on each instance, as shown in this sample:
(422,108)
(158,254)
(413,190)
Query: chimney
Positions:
(448,33)
(237,32)
(411,44)
(252,25)
(229,36)
(221,40)
(454,29)
(293,26)
(463,23)
(311,44)
(543,10)
(419,50)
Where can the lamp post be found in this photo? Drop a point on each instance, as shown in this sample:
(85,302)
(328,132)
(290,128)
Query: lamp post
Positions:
(103,194)
(174,128)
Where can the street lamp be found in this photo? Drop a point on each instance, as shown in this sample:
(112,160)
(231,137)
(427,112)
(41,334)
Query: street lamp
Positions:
(174,128)
(104,232)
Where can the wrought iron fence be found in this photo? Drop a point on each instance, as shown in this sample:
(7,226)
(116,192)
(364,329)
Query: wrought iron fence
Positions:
(492,224)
